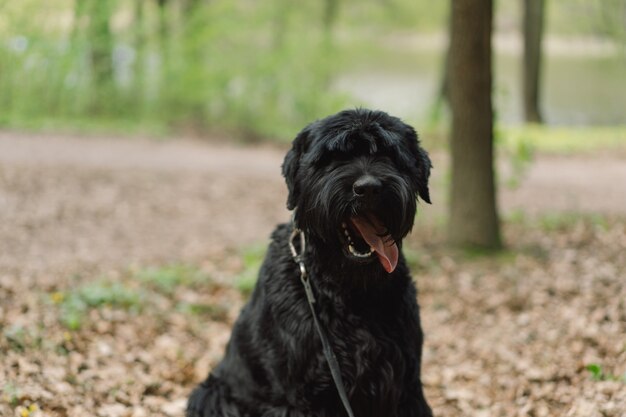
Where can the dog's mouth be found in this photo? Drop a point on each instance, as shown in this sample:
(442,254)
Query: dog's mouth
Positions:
(365,236)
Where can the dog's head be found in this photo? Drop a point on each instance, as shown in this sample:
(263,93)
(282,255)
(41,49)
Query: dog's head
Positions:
(354,179)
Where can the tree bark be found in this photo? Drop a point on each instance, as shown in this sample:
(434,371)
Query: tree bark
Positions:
(473,213)
(139,81)
(533,35)
(101,40)
(331,10)
(443,92)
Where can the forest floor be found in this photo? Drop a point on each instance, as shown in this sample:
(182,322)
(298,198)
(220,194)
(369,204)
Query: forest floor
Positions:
(121,265)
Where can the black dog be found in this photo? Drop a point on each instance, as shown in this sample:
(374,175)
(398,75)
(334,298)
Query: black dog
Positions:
(353,182)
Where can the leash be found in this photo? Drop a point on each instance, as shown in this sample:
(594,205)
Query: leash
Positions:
(327,349)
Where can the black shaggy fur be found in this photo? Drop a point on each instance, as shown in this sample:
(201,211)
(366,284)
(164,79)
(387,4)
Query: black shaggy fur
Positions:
(274,365)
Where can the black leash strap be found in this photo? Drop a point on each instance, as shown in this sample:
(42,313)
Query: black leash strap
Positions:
(328,350)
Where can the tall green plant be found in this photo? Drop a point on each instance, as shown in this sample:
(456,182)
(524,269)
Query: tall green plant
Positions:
(257,68)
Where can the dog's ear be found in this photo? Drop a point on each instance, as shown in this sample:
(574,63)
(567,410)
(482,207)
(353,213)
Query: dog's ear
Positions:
(423,174)
(291,164)
(421,163)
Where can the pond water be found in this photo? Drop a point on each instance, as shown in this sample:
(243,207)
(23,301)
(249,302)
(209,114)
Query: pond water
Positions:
(577,89)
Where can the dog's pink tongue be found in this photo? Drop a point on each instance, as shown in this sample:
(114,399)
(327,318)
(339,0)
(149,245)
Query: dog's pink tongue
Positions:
(386,249)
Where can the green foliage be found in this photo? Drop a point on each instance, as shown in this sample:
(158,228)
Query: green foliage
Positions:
(252,258)
(598,374)
(211,311)
(76,303)
(518,154)
(562,140)
(522,157)
(476,252)
(596,371)
(412,258)
(516,216)
(109,294)
(591,17)
(518,145)
(261,76)
(558,221)
(551,222)
(135,292)
(407,15)
(167,278)
(254,68)
(11,394)
(20,338)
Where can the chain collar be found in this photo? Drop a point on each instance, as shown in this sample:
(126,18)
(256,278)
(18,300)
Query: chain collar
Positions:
(299,259)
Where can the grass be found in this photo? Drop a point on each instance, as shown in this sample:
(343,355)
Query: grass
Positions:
(564,221)
(132,294)
(598,374)
(76,303)
(20,338)
(141,286)
(557,222)
(211,311)
(517,146)
(429,238)
(563,140)
(252,258)
(136,292)
(524,140)
(90,126)
(166,278)
(11,394)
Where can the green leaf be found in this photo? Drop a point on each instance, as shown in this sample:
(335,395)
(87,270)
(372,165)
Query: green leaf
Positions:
(596,371)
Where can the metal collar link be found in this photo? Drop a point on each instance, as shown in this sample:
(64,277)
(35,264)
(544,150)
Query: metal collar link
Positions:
(326,347)
(299,258)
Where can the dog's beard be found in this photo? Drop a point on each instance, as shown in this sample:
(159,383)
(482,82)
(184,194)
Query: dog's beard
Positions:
(363,231)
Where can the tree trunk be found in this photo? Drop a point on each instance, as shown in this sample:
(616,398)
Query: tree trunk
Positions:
(443,92)
(473,213)
(139,81)
(331,10)
(77,26)
(533,34)
(101,40)
(101,45)
(163,30)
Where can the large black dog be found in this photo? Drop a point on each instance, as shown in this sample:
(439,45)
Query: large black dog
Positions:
(353,181)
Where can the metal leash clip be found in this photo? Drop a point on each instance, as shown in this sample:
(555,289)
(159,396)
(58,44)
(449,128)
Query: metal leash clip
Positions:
(298,258)
(331,359)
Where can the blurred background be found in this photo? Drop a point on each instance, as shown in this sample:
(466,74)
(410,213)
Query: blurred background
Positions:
(264,69)
(140,152)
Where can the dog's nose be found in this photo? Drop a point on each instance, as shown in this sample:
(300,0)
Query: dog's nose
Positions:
(367,186)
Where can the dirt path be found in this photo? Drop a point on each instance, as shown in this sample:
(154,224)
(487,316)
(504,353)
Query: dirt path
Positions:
(101,202)
(67,201)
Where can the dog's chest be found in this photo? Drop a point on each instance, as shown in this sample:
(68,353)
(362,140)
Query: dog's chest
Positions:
(373,351)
